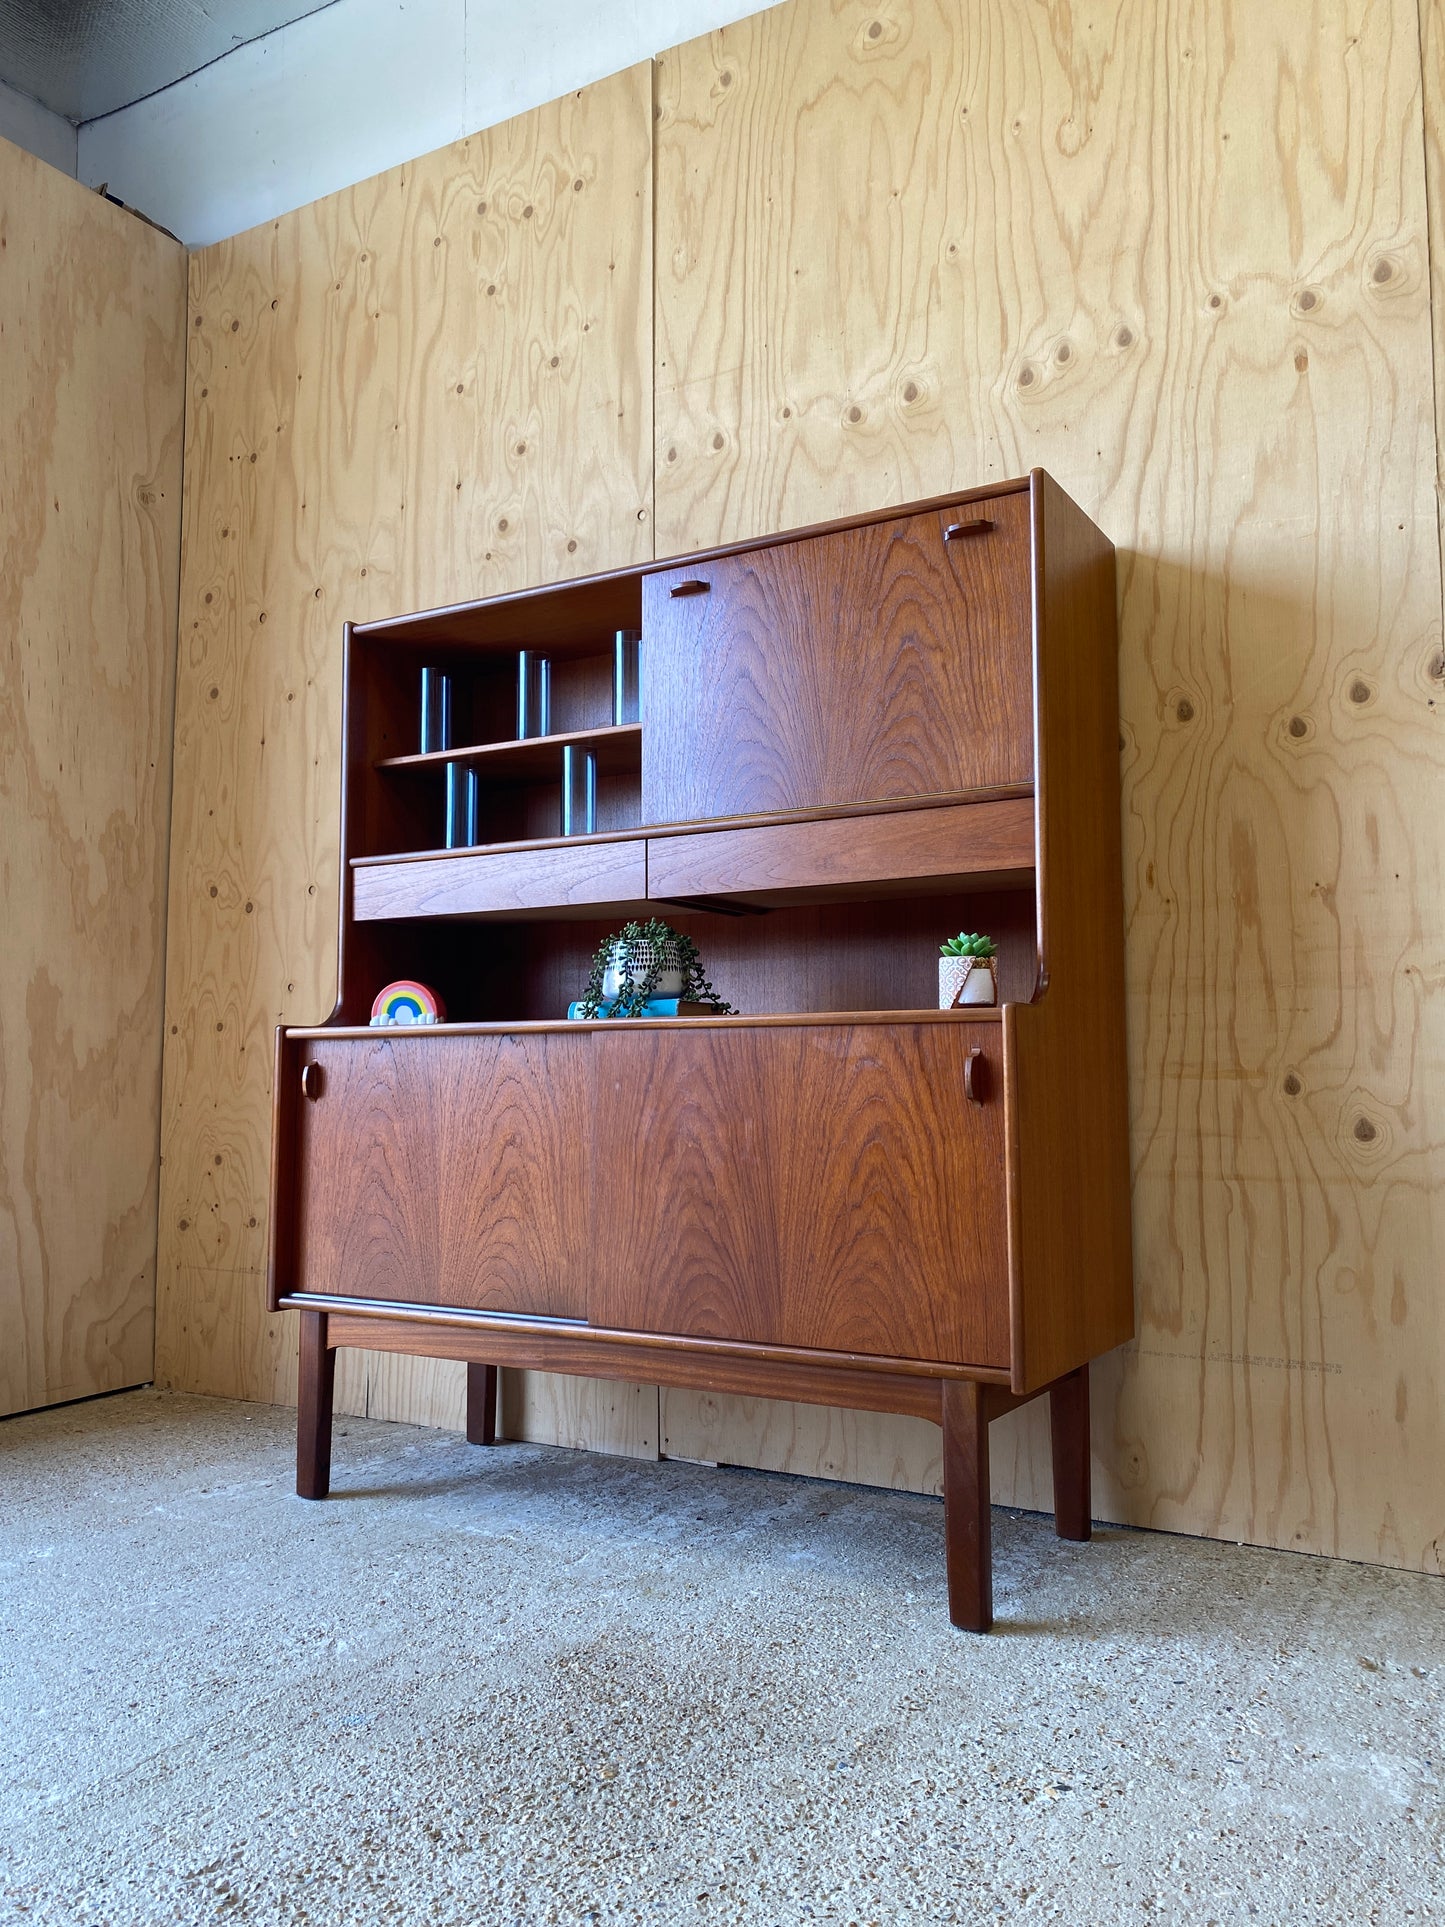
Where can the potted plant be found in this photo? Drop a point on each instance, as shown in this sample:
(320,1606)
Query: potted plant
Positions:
(967,970)
(643,961)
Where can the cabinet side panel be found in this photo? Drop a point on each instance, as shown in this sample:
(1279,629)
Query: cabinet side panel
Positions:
(1074,1290)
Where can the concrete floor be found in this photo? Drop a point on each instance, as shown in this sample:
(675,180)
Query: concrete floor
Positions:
(534,1686)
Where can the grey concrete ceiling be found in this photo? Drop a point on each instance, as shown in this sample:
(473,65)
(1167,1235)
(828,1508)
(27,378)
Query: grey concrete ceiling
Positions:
(84,58)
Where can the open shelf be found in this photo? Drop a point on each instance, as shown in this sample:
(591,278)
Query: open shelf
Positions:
(617,746)
(812,962)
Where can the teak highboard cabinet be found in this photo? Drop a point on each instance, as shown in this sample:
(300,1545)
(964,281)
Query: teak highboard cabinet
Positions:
(854,740)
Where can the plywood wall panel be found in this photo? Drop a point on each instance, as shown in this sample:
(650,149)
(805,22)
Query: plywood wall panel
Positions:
(433,386)
(92,325)
(1179,256)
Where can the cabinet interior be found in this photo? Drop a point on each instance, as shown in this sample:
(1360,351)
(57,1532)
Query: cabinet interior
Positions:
(870,956)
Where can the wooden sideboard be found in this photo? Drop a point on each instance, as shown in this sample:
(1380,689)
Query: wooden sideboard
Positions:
(854,740)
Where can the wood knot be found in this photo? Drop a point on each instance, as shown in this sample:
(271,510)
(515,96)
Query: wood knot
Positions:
(1360,691)
(1365,1131)
(1298,727)
(1185,710)
(1292,1086)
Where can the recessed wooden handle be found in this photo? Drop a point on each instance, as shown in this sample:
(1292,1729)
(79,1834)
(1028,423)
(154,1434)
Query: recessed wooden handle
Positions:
(311,1081)
(956,531)
(690,588)
(974,1076)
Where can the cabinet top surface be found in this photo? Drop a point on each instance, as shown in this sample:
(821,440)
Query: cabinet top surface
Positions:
(612,593)
(976,1014)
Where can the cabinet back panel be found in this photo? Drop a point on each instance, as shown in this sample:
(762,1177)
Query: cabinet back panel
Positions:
(815,957)
(876,662)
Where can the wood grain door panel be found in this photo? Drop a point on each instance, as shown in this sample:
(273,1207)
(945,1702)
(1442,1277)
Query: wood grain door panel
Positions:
(822,1186)
(852,667)
(447,1170)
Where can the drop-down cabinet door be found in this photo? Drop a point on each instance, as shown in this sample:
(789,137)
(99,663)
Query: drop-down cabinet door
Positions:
(443,1170)
(829,1186)
(885,661)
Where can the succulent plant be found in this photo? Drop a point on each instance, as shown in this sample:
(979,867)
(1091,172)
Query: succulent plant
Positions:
(968,943)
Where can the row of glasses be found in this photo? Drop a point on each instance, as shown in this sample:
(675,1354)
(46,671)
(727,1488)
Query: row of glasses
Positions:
(462,822)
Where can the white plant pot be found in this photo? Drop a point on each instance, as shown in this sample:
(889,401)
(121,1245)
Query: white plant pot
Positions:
(966,980)
(639,957)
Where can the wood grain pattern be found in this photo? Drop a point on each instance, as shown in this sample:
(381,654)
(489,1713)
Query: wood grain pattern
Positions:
(1068,1133)
(811,1186)
(92,349)
(987,842)
(501,883)
(445,1170)
(906,1387)
(815,959)
(433,385)
(1178,257)
(879,662)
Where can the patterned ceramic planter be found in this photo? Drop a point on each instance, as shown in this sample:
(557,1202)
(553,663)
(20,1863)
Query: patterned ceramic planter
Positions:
(629,964)
(967,980)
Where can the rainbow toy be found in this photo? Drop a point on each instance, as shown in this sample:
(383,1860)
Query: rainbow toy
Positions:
(405,1003)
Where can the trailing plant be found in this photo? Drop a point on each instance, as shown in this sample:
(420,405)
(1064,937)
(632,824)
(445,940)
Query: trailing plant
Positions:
(667,949)
(968,944)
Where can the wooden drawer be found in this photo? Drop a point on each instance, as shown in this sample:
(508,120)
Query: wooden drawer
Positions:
(848,855)
(444,1170)
(811,1185)
(500,882)
(870,663)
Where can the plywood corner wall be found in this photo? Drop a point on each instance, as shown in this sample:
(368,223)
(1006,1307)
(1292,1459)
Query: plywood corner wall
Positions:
(92,323)
(433,386)
(1181,257)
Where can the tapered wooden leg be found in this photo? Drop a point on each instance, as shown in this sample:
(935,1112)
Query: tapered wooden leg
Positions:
(481,1404)
(315,1384)
(1069,1435)
(967,1526)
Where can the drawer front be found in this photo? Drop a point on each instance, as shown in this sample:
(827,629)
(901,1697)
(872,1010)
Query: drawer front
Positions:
(444,1170)
(879,662)
(501,882)
(902,848)
(807,1185)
